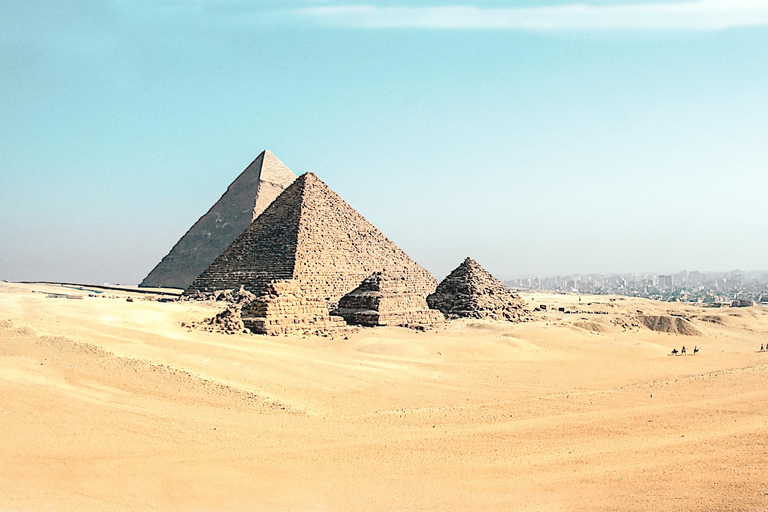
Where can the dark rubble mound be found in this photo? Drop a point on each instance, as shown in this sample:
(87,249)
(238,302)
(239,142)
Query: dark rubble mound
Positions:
(239,297)
(229,321)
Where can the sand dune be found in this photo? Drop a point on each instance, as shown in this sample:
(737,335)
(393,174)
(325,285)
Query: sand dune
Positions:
(109,404)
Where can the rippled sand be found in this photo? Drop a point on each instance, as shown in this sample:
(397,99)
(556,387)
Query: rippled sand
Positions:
(112,405)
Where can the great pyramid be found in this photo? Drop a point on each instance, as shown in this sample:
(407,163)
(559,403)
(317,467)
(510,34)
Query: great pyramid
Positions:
(385,299)
(249,195)
(470,291)
(311,235)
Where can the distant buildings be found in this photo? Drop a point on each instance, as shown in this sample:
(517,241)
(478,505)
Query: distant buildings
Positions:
(695,287)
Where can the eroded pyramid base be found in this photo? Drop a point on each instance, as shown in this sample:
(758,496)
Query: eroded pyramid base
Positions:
(284,308)
(383,299)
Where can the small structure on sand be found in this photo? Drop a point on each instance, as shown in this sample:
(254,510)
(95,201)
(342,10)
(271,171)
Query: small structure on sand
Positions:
(283,308)
(470,291)
(386,299)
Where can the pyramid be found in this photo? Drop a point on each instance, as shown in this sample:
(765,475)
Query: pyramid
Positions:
(283,309)
(249,195)
(385,299)
(470,291)
(311,235)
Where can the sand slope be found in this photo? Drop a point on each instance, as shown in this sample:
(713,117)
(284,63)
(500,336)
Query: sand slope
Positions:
(108,404)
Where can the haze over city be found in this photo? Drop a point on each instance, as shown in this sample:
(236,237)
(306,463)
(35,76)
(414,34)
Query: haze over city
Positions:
(546,139)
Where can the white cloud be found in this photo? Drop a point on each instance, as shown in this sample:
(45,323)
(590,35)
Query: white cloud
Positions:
(677,15)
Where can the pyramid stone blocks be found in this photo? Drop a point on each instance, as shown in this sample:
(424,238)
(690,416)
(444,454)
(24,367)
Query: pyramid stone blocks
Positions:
(470,291)
(247,197)
(283,308)
(311,235)
(385,299)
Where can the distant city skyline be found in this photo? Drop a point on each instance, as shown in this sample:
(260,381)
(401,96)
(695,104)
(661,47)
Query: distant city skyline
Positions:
(547,138)
(696,287)
(750,273)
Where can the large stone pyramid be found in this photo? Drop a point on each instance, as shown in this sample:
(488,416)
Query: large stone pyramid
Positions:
(249,195)
(470,291)
(311,235)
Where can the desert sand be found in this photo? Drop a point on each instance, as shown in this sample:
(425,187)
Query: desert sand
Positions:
(107,404)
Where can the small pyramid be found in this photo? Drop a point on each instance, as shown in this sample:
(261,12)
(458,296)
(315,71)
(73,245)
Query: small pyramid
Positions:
(384,299)
(246,197)
(470,291)
(311,235)
(283,308)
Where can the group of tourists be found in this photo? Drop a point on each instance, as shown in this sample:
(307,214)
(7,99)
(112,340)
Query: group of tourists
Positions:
(683,351)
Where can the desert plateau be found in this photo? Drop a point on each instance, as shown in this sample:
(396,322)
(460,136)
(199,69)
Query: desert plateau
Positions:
(111,404)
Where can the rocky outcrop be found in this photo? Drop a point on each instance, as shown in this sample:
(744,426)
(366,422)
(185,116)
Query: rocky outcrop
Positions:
(385,299)
(669,324)
(470,291)
(245,199)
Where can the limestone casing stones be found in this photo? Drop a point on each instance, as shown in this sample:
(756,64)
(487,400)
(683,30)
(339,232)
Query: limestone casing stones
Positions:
(246,197)
(470,291)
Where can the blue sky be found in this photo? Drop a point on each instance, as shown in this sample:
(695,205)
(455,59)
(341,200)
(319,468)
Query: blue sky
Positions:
(537,137)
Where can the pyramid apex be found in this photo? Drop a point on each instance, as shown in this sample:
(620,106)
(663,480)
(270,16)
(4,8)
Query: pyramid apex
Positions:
(245,198)
(269,154)
(310,177)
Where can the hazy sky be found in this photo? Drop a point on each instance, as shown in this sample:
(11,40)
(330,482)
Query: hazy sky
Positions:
(537,137)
